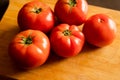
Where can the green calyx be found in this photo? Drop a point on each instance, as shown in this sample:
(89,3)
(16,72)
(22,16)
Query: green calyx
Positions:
(27,41)
(37,10)
(72,3)
(67,32)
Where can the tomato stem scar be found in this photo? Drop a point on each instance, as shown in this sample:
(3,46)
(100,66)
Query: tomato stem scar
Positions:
(37,10)
(72,3)
(100,20)
(67,32)
(26,41)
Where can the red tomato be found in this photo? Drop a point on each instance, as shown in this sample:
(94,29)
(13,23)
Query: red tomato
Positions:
(72,12)
(99,30)
(30,49)
(66,41)
(36,15)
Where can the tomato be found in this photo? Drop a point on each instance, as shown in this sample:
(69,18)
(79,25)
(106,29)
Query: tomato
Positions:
(66,40)
(29,49)
(36,15)
(72,12)
(99,30)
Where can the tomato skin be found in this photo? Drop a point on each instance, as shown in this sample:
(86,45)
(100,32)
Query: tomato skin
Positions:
(75,15)
(36,15)
(32,55)
(99,30)
(66,45)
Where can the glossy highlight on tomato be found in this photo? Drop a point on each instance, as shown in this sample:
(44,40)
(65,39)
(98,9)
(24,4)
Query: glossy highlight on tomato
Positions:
(72,12)
(66,40)
(37,16)
(29,49)
(100,30)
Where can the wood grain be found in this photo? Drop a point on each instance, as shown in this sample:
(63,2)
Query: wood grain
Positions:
(91,64)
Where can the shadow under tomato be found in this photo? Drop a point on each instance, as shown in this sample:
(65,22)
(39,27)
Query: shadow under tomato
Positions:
(53,58)
(9,68)
(88,48)
(6,65)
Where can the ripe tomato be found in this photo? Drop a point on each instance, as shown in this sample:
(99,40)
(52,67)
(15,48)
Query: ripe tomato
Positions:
(72,12)
(66,41)
(36,15)
(99,30)
(29,49)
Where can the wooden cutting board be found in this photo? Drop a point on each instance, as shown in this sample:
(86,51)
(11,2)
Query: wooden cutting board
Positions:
(91,64)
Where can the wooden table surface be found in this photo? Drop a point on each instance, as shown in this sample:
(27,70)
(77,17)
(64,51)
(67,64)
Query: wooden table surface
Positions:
(91,64)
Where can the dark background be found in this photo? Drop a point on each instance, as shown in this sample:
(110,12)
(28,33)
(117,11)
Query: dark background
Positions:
(112,4)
